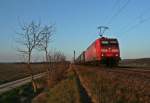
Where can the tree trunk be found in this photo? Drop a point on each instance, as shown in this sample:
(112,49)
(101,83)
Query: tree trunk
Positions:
(31,73)
(47,66)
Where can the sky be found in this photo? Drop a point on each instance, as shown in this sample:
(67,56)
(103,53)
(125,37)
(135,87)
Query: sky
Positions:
(76,23)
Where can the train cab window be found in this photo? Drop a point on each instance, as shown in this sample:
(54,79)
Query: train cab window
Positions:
(105,43)
(109,43)
(114,43)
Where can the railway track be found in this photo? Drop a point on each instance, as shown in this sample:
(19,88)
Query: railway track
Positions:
(134,72)
(130,72)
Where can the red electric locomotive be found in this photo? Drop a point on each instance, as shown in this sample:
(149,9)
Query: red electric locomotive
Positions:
(101,51)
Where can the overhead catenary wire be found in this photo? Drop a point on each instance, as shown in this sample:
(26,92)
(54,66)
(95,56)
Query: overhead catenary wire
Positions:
(137,24)
(128,27)
(115,4)
(118,12)
(140,20)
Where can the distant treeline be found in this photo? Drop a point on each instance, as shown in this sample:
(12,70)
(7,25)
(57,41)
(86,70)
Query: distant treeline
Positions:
(33,62)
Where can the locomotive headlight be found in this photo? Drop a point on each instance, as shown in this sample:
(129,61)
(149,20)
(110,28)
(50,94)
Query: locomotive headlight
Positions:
(102,55)
(117,55)
(104,50)
(115,50)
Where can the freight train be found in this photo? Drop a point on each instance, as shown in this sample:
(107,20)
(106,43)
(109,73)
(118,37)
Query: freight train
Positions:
(102,51)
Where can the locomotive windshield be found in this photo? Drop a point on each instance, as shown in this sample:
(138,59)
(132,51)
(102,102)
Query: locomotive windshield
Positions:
(109,43)
(105,43)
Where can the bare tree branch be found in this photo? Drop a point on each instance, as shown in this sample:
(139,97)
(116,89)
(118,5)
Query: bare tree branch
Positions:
(30,37)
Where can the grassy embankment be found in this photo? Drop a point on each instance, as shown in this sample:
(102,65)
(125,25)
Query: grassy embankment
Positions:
(68,90)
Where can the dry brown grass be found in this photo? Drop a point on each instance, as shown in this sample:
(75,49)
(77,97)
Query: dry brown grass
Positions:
(10,71)
(66,91)
(113,87)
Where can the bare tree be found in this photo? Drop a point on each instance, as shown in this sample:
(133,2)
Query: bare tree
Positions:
(55,58)
(29,38)
(58,56)
(47,34)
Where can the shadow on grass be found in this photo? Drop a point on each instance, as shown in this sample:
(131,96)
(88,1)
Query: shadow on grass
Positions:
(84,98)
(23,94)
